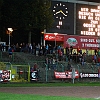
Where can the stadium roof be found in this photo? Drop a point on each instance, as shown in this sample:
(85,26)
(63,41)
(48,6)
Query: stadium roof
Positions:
(98,1)
(89,2)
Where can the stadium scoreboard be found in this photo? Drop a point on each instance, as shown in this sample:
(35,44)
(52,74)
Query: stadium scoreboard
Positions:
(88,20)
(75,18)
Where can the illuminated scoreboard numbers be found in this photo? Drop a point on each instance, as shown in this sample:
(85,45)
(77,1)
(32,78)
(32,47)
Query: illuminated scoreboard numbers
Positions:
(91,20)
(90,29)
(87,33)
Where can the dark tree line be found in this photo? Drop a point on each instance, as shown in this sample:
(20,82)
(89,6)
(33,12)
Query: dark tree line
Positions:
(31,16)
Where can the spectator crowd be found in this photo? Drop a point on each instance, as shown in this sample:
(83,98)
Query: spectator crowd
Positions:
(61,53)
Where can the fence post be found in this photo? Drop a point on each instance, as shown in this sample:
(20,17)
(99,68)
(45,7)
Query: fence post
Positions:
(73,74)
(78,71)
(12,56)
(11,69)
(1,55)
(46,69)
(28,72)
(62,67)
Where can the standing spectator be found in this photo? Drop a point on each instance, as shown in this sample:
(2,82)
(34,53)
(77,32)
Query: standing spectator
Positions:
(47,48)
(87,52)
(66,50)
(54,63)
(34,47)
(69,66)
(44,50)
(74,52)
(80,58)
(78,49)
(22,47)
(30,48)
(71,49)
(47,61)
(0,47)
(74,55)
(95,51)
(10,52)
(98,52)
(3,47)
(50,49)
(37,50)
(83,61)
(17,47)
(95,58)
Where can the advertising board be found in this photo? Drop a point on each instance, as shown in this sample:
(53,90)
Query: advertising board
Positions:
(5,75)
(65,75)
(83,42)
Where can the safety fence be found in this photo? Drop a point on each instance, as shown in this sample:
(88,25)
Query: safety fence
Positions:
(42,72)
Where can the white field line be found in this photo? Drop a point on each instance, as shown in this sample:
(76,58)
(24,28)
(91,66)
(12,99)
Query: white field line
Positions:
(98,98)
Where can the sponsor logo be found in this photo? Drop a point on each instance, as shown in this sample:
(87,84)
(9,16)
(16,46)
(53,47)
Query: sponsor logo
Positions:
(72,41)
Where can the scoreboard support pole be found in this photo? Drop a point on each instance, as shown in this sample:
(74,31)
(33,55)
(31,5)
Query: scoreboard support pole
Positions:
(73,74)
(74,18)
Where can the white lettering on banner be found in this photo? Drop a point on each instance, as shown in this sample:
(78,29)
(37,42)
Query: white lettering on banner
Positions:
(91,40)
(87,40)
(65,75)
(82,44)
(98,40)
(82,75)
(83,40)
(91,45)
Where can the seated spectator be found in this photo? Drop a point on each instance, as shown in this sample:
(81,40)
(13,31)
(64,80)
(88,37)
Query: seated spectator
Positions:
(35,67)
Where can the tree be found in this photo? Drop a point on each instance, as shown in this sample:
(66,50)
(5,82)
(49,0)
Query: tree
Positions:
(27,14)
(37,15)
(1,2)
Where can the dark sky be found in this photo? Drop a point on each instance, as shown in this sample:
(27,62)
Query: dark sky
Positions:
(98,1)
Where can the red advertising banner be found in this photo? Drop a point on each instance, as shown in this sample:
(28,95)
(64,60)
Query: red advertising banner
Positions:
(65,75)
(84,42)
(52,37)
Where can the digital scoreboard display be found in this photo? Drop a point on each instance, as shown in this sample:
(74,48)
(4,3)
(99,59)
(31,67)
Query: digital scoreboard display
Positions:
(88,20)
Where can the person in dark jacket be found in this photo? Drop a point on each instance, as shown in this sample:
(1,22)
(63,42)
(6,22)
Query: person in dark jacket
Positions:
(69,66)
(10,52)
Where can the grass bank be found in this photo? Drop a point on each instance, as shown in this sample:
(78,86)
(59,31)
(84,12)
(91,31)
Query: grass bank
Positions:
(47,84)
(9,96)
